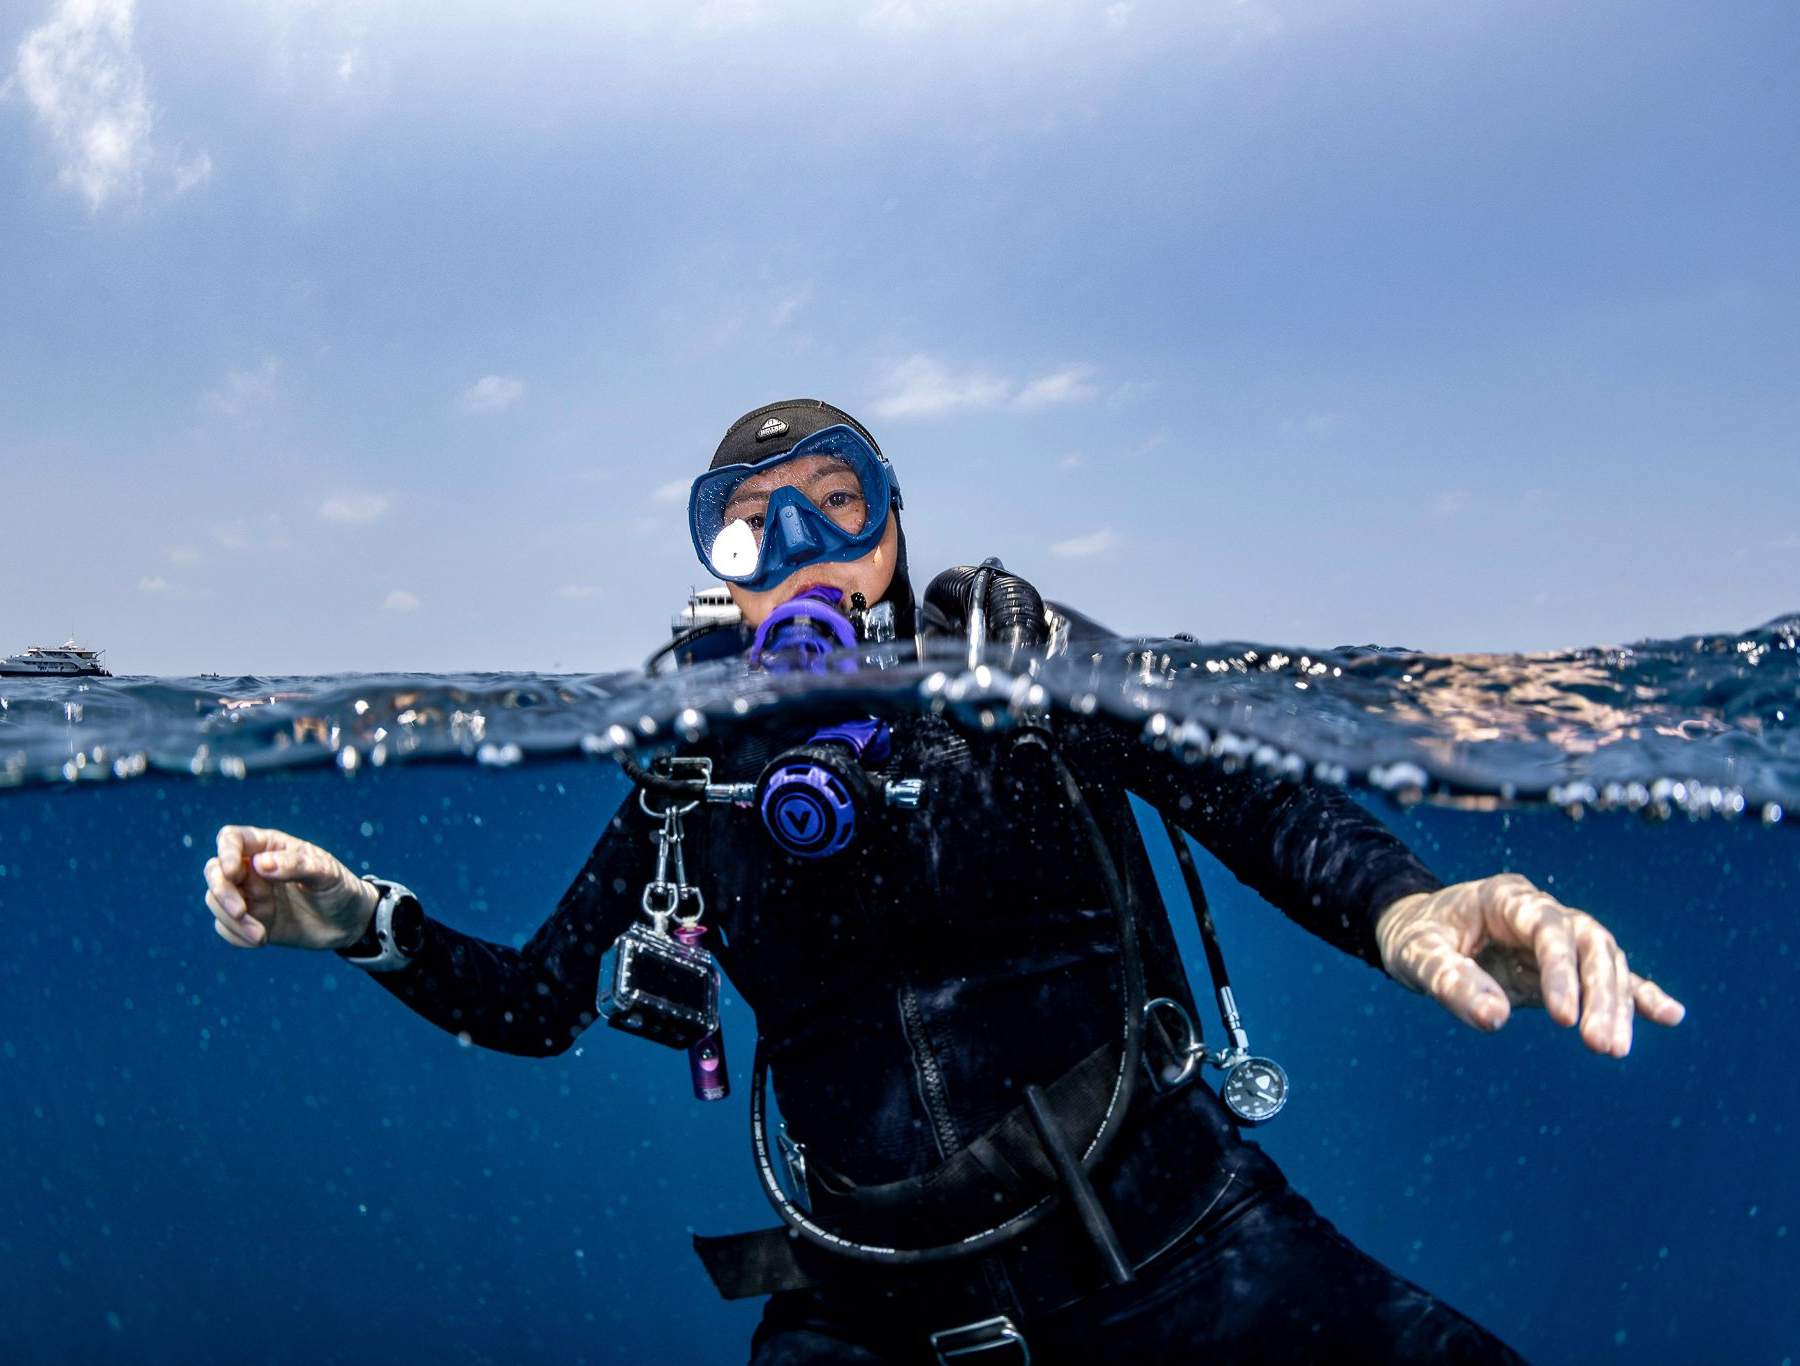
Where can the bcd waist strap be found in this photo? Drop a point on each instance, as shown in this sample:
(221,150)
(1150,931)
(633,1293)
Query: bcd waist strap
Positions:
(1001,1170)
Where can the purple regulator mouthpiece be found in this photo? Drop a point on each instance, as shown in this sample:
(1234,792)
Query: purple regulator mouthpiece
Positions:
(803,634)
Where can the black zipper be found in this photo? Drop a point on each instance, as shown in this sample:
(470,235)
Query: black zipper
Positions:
(931,1077)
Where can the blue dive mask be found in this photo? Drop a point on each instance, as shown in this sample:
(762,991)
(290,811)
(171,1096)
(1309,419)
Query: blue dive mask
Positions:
(825,500)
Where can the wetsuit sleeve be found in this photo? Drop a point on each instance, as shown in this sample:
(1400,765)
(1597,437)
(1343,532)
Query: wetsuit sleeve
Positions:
(1309,849)
(534,1000)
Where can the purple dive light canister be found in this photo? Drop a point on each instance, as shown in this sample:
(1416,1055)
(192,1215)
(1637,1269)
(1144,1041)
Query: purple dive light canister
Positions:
(706,1058)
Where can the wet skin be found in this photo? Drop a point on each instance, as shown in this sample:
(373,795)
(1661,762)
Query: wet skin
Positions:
(1479,948)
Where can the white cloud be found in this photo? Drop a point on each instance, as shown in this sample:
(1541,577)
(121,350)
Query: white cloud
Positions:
(1070,384)
(730,14)
(355,508)
(903,15)
(1074,460)
(675,491)
(1450,502)
(646,528)
(1118,15)
(922,387)
(401,601)
(193,172)
(492,394)
(723,333)
(1012,22)
(154,583)
(579,592)
(232,536)
(1315,425)
(87,88)
(783,313)
(181,554)
(90,95)
(920,16)
(346,64)
(244,390)
(1085,547)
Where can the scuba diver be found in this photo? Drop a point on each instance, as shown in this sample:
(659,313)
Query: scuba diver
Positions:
(992,1145)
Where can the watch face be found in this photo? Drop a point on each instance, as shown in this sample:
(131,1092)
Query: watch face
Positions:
(408,925)
(1256,1089)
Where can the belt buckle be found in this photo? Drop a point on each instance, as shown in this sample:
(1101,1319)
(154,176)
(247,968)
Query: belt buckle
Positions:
(989,1335)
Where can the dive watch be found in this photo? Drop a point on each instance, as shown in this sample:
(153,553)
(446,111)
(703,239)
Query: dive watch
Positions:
(396,931)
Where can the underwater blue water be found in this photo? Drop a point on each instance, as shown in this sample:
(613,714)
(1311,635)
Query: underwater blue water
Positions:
(213,1154)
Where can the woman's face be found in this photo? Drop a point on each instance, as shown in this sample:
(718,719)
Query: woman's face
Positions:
(819,478)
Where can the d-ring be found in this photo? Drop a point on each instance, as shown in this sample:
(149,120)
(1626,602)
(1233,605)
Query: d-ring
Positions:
(649,810)
(1192,1051)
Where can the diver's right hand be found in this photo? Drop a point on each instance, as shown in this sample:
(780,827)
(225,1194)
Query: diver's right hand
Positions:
(267,887)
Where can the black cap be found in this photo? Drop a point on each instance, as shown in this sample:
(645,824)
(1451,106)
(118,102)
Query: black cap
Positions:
(778,427)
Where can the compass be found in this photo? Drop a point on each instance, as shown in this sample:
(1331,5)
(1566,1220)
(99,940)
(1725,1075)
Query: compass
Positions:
(1255,1089)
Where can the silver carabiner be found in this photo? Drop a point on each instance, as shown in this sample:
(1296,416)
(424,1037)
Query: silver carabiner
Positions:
(660,901)
(669,890)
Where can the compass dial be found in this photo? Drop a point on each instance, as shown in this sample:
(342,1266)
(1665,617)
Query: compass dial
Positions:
(1256,1089)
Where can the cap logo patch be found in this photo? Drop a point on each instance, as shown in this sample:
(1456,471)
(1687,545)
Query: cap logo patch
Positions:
(773,427)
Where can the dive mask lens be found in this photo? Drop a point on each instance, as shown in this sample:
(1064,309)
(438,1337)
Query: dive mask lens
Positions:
(826,499)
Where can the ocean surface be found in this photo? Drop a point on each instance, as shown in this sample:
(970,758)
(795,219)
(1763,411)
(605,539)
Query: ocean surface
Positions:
(215,1155)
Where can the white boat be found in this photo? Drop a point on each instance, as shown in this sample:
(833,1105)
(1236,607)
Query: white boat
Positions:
(67,659)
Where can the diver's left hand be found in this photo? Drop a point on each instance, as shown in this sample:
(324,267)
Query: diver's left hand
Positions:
(1480,948)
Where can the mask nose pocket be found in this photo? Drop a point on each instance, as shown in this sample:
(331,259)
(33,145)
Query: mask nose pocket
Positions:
(794,539)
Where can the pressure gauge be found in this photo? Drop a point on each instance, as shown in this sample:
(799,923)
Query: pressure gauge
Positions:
(1256,1089)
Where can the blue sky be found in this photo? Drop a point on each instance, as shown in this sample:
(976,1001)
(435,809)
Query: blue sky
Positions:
(346,336)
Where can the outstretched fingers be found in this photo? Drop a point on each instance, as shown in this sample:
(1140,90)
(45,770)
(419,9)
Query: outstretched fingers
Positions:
(1457,982)
(1600,985)
(1655,1004)
(1558,959)
(1585,976)
(1528,948)
(1623,1002)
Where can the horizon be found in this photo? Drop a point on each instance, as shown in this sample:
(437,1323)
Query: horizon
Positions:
(452,672)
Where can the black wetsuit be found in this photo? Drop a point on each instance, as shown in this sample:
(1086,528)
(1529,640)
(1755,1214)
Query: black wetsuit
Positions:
(908,989)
